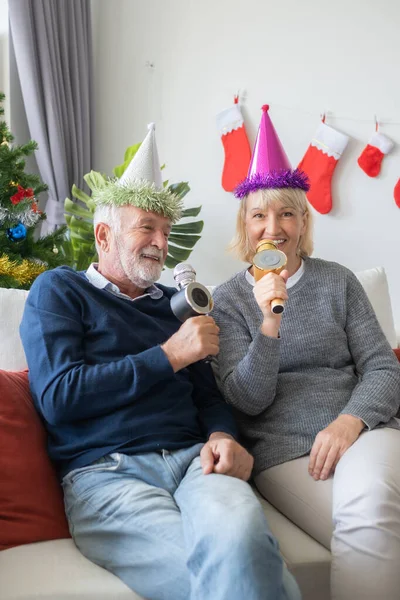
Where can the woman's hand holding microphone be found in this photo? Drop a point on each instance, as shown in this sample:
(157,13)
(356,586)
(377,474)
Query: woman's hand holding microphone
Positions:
(270,287)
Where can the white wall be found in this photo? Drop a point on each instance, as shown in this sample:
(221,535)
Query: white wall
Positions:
(301,58)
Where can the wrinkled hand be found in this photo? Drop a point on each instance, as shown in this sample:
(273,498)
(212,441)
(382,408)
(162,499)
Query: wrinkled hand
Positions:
(222,454)
(196,338)
(269,287)
(331,443)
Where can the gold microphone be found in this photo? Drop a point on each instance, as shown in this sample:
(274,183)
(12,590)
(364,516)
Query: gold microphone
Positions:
(266,259)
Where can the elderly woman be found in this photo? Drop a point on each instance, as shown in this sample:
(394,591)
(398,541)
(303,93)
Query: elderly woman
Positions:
(315,388)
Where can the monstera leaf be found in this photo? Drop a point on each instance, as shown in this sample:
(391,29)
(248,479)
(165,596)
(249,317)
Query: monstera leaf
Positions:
(183,236)
(80,249)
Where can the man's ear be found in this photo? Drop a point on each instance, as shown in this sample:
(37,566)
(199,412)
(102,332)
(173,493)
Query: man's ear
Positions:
(102,234)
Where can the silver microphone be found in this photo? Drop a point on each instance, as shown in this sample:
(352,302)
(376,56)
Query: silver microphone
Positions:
(193,298)
(183,275)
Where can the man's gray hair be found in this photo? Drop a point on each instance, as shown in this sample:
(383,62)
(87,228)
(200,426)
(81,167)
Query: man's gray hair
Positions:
(110,215)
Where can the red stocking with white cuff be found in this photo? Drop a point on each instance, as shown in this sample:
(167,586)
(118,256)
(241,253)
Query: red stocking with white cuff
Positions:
(396,193)
(371,157)
(236,146)
(319,163)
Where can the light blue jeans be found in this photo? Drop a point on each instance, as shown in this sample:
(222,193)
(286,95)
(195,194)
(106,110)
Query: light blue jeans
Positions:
(171,533)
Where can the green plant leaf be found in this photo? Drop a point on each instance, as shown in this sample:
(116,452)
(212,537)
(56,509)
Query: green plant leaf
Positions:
(81,224)
(191,212)
(179,253)
(76,209)
(85,259)
(194,227)
(66,250)
(94,179)
(180,189)
(80,194)
(84,248)
(187,241)
(171,263)
(81,235)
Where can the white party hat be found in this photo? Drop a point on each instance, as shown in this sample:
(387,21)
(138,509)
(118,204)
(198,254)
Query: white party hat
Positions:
(141,184)
(145,165)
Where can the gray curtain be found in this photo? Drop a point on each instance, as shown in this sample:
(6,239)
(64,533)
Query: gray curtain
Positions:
(52,43)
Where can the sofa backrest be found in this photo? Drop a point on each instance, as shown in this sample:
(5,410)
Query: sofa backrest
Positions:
(12,357)
(374,282)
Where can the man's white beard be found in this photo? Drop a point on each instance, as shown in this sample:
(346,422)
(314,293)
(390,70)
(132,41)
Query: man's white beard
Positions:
(146,273)
(140,271)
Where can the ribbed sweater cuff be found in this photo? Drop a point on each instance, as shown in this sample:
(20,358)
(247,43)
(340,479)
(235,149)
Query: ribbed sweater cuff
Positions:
(154,364)
(370,418)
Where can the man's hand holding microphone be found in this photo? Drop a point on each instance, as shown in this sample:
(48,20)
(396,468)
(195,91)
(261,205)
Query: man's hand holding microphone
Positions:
(197,339)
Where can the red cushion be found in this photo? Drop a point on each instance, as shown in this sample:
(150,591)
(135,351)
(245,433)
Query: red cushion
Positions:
(31,503)
(397,353)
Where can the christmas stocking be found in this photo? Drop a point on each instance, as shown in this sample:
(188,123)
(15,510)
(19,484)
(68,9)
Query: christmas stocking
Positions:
(371,157)
(236,146)
(397,193)
(319,163)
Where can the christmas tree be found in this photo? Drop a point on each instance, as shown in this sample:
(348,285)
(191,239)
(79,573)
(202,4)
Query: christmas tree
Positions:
(23,256)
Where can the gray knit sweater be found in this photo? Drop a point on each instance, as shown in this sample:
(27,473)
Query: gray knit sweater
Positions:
(331,358)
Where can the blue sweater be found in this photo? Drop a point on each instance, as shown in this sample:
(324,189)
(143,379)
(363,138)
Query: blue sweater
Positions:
(100,380)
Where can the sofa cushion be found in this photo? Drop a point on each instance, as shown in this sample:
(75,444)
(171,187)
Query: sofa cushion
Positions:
(56,571)
(12,302)
(375,284)
(31,503)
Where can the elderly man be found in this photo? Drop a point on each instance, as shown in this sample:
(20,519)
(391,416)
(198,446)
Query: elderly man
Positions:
(154,481)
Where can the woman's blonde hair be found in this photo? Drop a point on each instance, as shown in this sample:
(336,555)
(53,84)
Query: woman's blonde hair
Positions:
(289,197)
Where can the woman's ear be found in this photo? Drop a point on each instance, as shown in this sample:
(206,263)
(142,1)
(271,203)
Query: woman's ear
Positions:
(304,218)
(304,222)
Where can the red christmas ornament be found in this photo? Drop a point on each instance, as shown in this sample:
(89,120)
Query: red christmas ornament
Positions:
(18,196)
(21,194)
(35,208)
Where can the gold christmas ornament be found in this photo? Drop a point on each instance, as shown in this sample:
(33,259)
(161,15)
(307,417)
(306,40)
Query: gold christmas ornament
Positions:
(25,272)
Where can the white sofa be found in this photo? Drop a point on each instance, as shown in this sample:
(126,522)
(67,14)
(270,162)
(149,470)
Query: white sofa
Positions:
(56,570)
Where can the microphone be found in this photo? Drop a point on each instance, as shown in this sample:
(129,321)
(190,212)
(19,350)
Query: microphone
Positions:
(266,259)
(193,298)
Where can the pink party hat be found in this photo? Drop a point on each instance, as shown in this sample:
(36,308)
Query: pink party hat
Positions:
(270,167)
